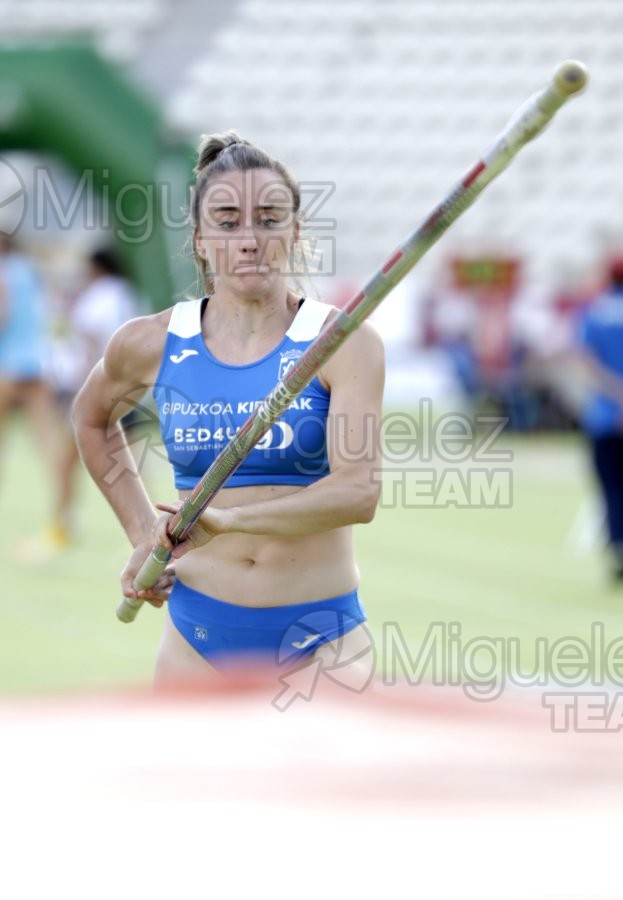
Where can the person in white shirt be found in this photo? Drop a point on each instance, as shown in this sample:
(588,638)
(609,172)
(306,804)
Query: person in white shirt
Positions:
(107,302)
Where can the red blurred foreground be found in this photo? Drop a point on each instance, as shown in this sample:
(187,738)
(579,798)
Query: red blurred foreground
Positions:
(395,792)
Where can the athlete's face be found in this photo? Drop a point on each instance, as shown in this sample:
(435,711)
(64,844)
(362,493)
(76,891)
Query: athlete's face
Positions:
(247,228)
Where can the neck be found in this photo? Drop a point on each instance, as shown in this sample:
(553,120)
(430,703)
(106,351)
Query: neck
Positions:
(247,320)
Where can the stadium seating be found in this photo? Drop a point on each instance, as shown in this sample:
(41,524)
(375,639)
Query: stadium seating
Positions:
(392,102)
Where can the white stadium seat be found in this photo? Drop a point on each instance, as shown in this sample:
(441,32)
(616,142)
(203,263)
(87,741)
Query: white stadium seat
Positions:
(374,96)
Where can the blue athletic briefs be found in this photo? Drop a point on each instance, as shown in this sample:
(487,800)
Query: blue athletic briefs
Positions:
(202,402)
(225,633)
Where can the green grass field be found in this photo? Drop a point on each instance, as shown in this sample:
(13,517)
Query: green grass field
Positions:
(498,572)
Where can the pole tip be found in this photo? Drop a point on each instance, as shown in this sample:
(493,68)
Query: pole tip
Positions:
(571,76)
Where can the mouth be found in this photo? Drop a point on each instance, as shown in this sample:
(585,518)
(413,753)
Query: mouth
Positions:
(251,269)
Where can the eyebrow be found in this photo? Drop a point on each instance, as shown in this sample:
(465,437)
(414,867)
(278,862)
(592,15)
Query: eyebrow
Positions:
(263,207)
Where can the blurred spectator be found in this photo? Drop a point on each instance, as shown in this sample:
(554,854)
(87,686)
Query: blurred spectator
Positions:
(23,344)
(106,302)
(601,337)
(454,323)
(548,384)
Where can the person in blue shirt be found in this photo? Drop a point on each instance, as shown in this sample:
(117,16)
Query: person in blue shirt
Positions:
(269,571)
(24,349)
(601,337)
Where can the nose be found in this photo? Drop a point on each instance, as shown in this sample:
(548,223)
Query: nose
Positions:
(248,239)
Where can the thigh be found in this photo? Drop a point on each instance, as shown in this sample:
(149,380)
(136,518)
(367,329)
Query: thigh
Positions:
(177,662)
(349,660)
(37,400)
(8,395)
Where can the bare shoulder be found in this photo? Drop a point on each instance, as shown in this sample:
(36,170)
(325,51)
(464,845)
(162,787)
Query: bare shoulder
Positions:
(135,350)
(366,333)
(367,338)
(362,352)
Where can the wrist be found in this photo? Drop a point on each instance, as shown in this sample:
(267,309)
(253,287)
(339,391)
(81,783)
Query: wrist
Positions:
(142,535)
(229,520)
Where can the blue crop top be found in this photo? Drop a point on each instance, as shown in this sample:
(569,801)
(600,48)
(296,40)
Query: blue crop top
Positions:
(202,402)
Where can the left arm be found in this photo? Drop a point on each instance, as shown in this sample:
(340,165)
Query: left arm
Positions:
(350,493)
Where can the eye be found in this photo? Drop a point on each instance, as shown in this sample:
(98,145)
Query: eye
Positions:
(227,224)
(269,221)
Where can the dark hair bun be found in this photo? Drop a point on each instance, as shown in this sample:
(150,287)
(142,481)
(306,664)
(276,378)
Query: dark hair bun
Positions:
(212,145)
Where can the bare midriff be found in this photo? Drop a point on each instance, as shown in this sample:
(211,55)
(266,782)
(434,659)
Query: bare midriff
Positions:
(268,570)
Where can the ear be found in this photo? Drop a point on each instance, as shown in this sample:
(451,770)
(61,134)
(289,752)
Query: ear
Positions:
(198,244)
(296,232)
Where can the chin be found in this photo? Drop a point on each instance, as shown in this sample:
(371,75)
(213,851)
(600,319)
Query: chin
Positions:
(255,280)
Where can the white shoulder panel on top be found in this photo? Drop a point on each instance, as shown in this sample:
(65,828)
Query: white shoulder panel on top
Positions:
(309,320)
(186,318)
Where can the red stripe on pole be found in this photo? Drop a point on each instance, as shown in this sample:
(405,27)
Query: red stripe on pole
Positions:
(391,262)
(432,219)
(354,303)
(473,175)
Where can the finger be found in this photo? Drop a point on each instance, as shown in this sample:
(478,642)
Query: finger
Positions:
(164,585)
(148,593)
(165,582)
(184,546)
(161,534)
(169,507)
(162,539)
(158,603)
(127,589)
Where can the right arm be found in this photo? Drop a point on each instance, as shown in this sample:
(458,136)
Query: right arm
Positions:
(129,364)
